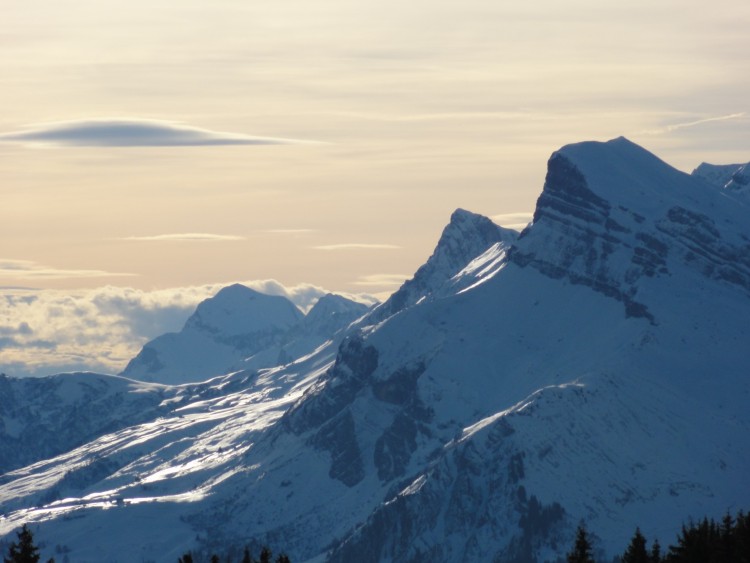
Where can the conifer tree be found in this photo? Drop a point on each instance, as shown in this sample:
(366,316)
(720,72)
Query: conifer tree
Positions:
(725,549)
(283,559)
(742,537)
(24,551)
(582,549)
(187,558)
(246,557)
(265,555)
(656,552)
(636,551)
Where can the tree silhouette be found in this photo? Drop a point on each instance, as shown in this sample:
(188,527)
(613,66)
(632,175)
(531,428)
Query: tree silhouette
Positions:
(246,557)
(265,555)
(656,552)
(24,551)
(582,549)
(636,552)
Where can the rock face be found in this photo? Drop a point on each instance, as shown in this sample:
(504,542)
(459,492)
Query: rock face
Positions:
(593,368)
(611,215)
(240,328)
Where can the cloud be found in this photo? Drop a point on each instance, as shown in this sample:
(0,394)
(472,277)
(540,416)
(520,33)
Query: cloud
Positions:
(184,237)
(50,331)
(356,245)
(382,280)
(516,221)
(131,133)
(29,270)
(289,231)
(445,116)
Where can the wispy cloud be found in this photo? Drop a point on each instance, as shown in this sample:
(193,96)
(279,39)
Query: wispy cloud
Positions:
(288,231)
(133,132)
(29,270)
(356,246)
(515,221)
(382,280)
(184,237)
(444,116)
(694,123)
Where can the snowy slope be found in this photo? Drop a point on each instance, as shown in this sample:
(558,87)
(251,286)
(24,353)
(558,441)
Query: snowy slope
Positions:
(42,417)
(595,368)
(324,325)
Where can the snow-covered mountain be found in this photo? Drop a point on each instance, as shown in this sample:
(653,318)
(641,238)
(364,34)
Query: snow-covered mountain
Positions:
(734,178)
(240,328)
(594,367)
(470,248)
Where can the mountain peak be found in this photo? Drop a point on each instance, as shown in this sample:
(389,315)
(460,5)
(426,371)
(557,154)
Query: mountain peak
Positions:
(233,324)
(612,216)
(467,236)
(237,309)
(235,290)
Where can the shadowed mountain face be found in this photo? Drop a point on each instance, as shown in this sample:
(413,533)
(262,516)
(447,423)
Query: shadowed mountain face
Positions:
(592,368)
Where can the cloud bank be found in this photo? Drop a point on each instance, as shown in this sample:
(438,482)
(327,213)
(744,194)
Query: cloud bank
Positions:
(49,331)
(131,133)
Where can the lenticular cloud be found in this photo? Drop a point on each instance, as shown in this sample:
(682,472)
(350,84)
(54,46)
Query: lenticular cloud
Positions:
(131,133)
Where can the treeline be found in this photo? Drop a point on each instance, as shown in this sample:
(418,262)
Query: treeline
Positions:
(266,556)
(707,541)
(24,550)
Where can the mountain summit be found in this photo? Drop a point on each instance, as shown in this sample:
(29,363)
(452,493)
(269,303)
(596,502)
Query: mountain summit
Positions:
(240,328)
(466,237)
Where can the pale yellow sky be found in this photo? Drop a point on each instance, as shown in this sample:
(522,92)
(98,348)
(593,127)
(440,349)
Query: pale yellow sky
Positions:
(416,108)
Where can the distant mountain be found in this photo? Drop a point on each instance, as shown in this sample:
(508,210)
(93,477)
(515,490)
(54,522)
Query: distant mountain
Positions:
(592,368)
(734,178)
(240,328)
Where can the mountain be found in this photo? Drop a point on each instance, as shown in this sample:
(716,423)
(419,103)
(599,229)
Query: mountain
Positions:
(592,368)
(468,236)
(240,328)
(733,178)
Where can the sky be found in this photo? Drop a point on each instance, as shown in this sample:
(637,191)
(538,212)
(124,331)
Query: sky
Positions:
(163,149)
